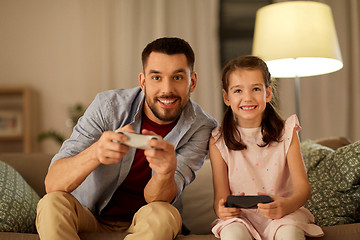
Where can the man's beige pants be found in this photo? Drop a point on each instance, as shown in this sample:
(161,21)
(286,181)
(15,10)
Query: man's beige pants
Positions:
(61,216)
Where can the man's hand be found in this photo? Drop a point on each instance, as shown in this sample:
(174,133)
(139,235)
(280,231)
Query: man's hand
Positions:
(162,160)
(162,157)
(109,149)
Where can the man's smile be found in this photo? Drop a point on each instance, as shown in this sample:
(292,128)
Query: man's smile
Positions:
(167,102)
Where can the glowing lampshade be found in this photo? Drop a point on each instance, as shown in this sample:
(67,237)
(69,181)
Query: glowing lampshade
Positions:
(297,39)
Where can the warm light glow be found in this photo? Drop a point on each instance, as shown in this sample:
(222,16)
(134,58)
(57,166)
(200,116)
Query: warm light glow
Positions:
(302,67)
(297,38)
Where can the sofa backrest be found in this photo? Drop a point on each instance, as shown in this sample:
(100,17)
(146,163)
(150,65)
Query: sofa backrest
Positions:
(32,167)
(198,201)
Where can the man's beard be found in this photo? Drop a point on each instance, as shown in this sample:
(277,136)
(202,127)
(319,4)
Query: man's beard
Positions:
(163,114)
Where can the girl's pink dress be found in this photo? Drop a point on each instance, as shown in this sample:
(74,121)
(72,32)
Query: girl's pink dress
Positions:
(262,169)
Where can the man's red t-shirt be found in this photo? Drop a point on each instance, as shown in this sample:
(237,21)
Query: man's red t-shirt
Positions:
(129,197)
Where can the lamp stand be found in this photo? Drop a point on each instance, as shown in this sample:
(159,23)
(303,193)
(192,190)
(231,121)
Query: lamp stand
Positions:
(297,98)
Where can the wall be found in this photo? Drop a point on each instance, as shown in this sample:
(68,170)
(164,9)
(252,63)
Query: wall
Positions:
(69,50)
(56,48)
(61,50)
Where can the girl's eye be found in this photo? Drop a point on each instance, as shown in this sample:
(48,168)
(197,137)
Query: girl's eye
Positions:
(237,91)
(257,89)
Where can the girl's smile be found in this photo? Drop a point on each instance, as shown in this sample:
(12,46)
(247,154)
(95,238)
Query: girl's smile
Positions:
(248,108)
(247,96)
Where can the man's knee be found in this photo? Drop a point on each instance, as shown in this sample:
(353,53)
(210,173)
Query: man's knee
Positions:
(156,220)
(57,216)
(54,205)
(163,212)
(55,199)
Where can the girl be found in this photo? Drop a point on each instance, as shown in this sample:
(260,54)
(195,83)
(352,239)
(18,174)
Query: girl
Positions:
(254,152)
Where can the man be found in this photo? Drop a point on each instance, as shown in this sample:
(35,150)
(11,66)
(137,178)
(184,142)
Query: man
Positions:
(96,183)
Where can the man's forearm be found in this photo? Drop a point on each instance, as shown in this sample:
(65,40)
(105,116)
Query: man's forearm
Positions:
(68,173)
(160,188)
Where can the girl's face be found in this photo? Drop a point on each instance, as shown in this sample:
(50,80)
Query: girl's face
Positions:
(247,96)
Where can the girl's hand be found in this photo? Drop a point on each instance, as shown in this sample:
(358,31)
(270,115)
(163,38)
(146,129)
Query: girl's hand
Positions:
(225,213)
(276,209)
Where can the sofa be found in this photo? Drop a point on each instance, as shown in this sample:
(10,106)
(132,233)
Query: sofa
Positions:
(22,185)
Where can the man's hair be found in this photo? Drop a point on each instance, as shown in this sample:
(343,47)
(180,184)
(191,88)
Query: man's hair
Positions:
(169,46)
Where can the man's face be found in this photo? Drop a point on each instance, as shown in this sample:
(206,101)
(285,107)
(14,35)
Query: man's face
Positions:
(167,82)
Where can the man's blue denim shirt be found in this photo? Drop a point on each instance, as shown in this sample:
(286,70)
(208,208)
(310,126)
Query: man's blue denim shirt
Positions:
(113,109)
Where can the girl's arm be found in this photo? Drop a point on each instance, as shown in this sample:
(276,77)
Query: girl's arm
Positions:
(221,183)
(283,206)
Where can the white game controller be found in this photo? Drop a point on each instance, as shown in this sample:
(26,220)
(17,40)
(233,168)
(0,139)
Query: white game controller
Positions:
(138,140)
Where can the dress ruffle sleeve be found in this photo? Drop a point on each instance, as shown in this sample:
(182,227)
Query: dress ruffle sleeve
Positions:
(290,124)
(220,143)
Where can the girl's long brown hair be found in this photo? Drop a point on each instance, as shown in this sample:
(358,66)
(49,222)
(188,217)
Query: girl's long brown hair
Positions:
(272,123)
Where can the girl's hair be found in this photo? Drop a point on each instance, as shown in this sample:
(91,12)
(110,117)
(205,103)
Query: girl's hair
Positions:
(272,123)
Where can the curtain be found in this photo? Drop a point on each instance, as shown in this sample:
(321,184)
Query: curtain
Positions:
(135,23)
(330,104)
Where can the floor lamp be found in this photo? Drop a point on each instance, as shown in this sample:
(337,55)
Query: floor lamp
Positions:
(297,39)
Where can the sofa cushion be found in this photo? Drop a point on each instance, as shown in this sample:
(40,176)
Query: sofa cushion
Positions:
(334,177)
(313,154)
(37,162)
(17,202)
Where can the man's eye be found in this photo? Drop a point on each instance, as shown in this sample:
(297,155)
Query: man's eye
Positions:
(177,77)
(155,77)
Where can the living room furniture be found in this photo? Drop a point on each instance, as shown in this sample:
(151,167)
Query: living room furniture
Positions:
(198,196)
(18,119)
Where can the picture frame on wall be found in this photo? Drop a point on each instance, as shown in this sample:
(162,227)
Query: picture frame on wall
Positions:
(10,123)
